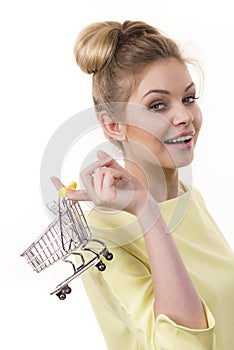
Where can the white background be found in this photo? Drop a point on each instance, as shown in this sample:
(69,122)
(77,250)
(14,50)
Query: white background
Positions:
(41,87)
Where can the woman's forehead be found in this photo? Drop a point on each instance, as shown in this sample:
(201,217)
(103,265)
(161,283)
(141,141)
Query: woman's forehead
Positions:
(169,75)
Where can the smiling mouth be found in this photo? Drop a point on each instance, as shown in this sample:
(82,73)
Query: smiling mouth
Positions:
(179,140)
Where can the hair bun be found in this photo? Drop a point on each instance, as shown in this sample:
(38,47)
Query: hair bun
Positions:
(96,45)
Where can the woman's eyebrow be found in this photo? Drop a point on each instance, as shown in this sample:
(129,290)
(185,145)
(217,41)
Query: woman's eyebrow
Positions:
(189,86)
(165,91)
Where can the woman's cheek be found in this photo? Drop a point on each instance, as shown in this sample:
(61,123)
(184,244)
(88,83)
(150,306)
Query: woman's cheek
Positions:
(198,119)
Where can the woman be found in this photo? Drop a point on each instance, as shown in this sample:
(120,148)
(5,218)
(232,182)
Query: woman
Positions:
(171,286)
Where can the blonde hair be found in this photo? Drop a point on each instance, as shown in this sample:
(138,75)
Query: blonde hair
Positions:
(117,54)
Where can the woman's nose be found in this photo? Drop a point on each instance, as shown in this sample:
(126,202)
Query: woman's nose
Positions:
(181,115)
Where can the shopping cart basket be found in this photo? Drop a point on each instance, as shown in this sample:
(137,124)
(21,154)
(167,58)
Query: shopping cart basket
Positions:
(67,235)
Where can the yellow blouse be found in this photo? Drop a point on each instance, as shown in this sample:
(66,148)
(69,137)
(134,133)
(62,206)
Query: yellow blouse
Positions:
(122,295)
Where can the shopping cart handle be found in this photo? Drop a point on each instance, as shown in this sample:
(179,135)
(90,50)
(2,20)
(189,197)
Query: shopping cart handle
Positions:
(63,190)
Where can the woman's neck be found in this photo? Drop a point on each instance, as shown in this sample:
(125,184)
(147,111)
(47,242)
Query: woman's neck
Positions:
(162,183)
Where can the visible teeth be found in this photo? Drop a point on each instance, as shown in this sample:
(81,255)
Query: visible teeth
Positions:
(180,139)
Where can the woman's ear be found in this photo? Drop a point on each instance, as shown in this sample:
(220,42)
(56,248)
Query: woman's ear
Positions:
(113,129)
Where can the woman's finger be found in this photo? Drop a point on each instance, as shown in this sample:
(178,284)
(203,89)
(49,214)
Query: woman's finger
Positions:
(88,173)
(105,181)
(113,163)
(89,170)
(102,155)
(108,162)
(79,195)
(57,183)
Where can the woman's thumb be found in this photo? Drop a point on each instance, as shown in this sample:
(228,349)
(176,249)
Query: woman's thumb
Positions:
(102,155)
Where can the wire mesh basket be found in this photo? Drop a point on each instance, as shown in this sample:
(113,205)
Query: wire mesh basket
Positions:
(67,235)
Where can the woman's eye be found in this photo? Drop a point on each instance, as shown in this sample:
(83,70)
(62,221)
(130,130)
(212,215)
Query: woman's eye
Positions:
(157,106)
(190,99)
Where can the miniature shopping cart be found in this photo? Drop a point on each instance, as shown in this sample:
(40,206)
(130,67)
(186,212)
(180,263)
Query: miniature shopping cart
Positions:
(68,235)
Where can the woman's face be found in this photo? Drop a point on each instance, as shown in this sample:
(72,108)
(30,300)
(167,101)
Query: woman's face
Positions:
(163,119)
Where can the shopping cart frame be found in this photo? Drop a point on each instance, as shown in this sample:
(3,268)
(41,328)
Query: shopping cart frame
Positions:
(68,235)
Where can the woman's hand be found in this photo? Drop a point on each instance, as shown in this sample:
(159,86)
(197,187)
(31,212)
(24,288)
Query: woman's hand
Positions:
(109,185)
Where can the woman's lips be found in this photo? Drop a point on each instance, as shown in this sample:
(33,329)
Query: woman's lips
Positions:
(182,141)
(181,145)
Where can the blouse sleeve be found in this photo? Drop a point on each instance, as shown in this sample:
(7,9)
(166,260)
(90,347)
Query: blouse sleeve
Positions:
(122,298)
(169,335)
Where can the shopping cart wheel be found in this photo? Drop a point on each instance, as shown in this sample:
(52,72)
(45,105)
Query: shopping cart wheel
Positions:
(108,255)
(67,289)
(61,295)
(101,266)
